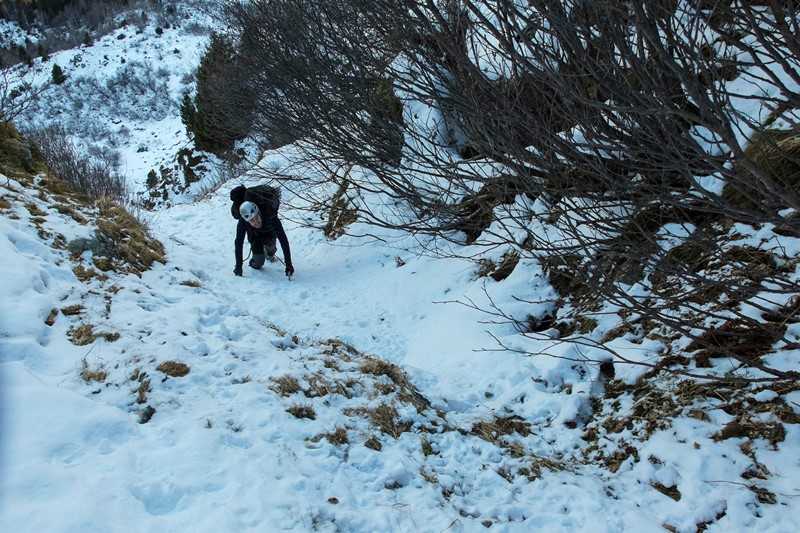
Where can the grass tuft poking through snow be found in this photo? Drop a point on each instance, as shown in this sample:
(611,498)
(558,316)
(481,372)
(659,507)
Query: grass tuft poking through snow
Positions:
(89,375)
(338,437)
(285,385)
(386,419)
(302,411)
(174,369)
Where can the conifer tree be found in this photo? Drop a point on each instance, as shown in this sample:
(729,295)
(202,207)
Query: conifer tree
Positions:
(58,75)
(220,112)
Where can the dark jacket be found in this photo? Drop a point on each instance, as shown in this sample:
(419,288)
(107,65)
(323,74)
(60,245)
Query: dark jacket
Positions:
(270,229)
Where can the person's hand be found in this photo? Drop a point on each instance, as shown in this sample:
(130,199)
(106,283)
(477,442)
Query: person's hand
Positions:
(289,269)
(238,271)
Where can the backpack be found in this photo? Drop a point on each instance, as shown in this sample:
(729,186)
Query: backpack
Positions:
(264,195)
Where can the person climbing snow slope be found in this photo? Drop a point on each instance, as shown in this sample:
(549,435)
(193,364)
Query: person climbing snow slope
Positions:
(256,209)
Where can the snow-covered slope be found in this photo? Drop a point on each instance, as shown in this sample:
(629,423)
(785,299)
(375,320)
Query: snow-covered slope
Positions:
(222,452)
(351,398)
(122,93)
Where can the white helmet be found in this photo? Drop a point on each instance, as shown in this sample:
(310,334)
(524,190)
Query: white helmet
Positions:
(248,210)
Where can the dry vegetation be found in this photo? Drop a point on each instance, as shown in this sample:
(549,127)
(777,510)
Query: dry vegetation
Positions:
(72,310)
(387,420)
(338,437)
(89,375)
(285,385)
(174,369)
(302,411)
(121,242)
(130,244)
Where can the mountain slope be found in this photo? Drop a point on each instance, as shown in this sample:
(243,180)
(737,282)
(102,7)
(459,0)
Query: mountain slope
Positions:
(351,398)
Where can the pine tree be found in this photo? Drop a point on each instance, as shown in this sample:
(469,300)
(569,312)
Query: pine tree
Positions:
(221,111)
(188,112)
(58,75)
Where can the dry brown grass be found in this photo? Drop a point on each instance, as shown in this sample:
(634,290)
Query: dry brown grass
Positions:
(339,349)
(142,389)
(406,392)
(82,335)
(72,310)
(19,158)
(386,418)
(85,334)
(430,477)
(425,446)
(341,214)
(737,338)
(132,243)
(174,369)
(494,430)
(385,388)
(302,411)
(191,283)
(88,375)
(338,437)
(109,337)
(776,153)
(743,426)
(373,443)
(617,332)
(565,276)
(537,465)
(4,204)
(51,318)
(485,268)
(285,385)
(87,274)
(34,210)
(670,492)
(103,264)
(70,211)
(319,386)
(378,367)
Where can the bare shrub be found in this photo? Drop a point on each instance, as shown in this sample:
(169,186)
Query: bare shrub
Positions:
(605,138)
(92,175)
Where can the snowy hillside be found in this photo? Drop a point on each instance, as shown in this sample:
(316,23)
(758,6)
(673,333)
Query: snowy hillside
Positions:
(149,389)
(122,93)
(466,437)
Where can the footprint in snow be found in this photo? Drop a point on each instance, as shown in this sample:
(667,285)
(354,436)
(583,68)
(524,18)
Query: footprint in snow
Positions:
(67,453)
(158,498)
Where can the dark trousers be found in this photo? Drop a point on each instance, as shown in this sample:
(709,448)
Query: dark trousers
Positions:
(263,248)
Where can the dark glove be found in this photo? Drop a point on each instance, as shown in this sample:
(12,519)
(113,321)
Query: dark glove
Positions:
(289,269)
(238,270)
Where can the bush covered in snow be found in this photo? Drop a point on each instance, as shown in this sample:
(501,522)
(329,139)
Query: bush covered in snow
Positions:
(137,91)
